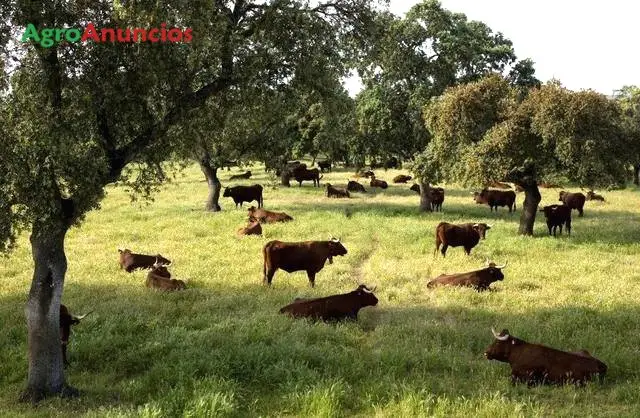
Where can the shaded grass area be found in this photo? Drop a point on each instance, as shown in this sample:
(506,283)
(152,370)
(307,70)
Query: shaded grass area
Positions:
(221,348)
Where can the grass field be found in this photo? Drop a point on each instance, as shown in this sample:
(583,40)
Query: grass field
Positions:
(221,348)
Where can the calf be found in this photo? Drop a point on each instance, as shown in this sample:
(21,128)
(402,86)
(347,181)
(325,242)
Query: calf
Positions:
(401,178)
(593,196)
(354,186)
(478,279)
(573,200)
(536,364)
(66,320)
(245,175)
(131,261)
(495,198)
(378,183)
(336,307)
(338,193)
(253,228)
(241,194)
(324,165)
(267,216)
(557,215)
(159,278)
(463,235)
(309,256)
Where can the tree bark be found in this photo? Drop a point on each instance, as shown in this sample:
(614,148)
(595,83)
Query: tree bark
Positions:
(213,183)
(529,208)
(636,174)
(425,197)
(46,370)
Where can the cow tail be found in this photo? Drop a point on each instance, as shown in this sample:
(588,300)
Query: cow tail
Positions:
(264,263)
(438,242)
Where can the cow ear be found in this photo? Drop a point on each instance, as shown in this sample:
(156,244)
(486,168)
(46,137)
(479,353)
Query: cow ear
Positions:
(513,342)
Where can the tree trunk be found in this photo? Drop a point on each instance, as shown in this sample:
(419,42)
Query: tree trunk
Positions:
(425,197)
(529,208)
(636,174)
(213,183)
(285,175)
(46,369)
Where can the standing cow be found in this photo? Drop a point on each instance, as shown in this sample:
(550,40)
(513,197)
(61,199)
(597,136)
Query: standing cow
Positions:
(495,198)
(535,364)
(573,200)
(301,173)
(463,235)
(557,215)
(324,165)
(309,256)
(241,194)
(66,320)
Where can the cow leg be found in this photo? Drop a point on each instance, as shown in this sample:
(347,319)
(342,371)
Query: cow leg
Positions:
(64,354)
(268,277)
(467,250)
(444,250)
(568,224)
(580,213)
(550,227)
(312,277)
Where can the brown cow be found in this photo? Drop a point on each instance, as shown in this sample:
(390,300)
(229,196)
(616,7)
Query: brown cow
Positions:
(245,175)
(335,192)
(557,215)
(536,364)
(366,174)
(295,256)
(401,178)
(573,200)
(301,173)
(591,195)
(159,278)
(253,228)
(463,235)
(495,198)
(437,196)
(66,320)
(131,261)
(268,217)
(378,183)
(335,307)
(354,186)
(478,279)
(241,194)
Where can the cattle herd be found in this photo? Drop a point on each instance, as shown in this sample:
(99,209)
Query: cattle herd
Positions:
(530,363)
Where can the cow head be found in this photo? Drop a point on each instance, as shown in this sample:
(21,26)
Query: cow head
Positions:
(561,195)
(124,251)
(478,197)
(495,271)
(481,229)
(160,269)
(366,296)
(250,211)
(160,260)
(226,192)
(335,248)
(500,349)
(66,320)
(415,188)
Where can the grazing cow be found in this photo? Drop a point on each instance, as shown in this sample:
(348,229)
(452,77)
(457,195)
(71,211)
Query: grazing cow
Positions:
(463,235)
(401,178)
(495,198)
(245,175)
(338,193)
(159,278)
(378,183)
(267,217)
(591,195)
(301,173)
(241,194)
(253,228)
(335,307)
(535,364)
(478,279)
(66,320)
(295,256)
(557,215)
(573,200)
(324,165)
(131,261)
(354,186)
(437,196)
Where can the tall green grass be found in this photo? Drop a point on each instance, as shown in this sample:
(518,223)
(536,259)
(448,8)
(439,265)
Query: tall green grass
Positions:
(221,348)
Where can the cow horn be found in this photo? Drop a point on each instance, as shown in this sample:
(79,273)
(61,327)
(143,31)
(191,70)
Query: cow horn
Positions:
(366,289)
(475,225)
(487,262)
(502,266)
(489,226)
(82,316)
(498,336)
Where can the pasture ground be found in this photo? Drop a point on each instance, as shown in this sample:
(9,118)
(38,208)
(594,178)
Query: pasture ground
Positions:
(221,348)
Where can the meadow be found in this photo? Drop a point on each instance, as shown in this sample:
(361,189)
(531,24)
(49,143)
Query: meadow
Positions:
(221,348)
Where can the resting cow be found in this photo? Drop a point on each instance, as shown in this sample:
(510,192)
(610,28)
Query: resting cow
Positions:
(253,228)
(495,198)
(336,307)
(241,194)
(591,195)
(378,183)
(557,215)
(335,192)
(536,364)
(354,186)
(478,279)
(401,178)
(245,175)
(309,256)
(365,174)
(66,320)
(573,200)
(463,235)
(301,173)
(159,278)
(131,261)
(268,217)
